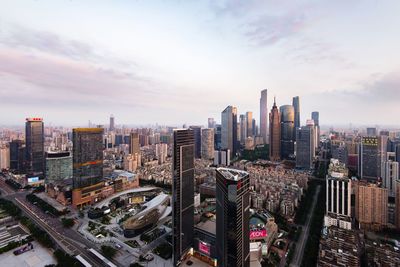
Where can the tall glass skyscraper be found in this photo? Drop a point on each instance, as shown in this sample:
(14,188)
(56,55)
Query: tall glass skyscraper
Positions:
(287,131)
(87,156)
(233,216)
(35,160)
(197,141)
(182,193)
(264,115)
(305,151)
(296,105)
(229,129)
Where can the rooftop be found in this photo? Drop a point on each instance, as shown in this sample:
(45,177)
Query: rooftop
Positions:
(232,174)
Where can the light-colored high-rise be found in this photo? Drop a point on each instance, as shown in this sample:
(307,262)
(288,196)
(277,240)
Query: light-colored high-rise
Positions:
(390,173)
(229,129)
(264,115)
(207,143)
(243,128)
(4,157)
(371,205)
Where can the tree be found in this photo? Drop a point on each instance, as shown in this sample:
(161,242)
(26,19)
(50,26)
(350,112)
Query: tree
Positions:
(108,252)
(67,222)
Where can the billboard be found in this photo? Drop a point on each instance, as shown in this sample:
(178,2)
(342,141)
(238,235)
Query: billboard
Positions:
(33,180)
(258,234)
(204,248)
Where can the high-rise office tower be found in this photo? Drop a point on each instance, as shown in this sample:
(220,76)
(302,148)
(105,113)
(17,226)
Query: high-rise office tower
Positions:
(87,156)
(368,159)
(390,173)
(207,143)
(233,216)
(338,196)
(243,128)
(287,131)
(264,115)
(296,105)
(371,132)
(112,123)
(229,129)
(197,141)
(17,156)
(134,146)
(182,193)
(305,151)
(34,134)
(211,123)
(249,120)
(315,118)
(58,166)
(255,130)
(274,133)
(217,137)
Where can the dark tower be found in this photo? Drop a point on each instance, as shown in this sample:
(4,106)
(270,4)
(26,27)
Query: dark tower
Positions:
(87,156)
(34,132)
(274,133)
(233,218)
(182,194)
(296,105)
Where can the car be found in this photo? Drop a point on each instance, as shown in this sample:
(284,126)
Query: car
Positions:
(189,262)
(118,246)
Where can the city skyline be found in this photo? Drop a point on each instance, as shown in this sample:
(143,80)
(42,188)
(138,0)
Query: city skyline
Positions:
(71,71)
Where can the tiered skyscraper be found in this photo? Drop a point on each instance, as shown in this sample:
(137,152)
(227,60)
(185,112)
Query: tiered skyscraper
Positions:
(274,133)
(287,131)
(182,193)
(264,115)
(229,129)
(35,160)
(233,217)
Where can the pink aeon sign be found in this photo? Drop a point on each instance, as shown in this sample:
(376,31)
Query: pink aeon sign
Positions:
(204,248)
(258,234)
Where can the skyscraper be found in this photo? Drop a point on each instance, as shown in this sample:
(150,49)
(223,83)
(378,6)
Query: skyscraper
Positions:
(112,123)
(182,193)
(34,134)
(371,131)
(229,129)
(315,118)
(338,196)
(369,159)
(296,105)
(274,133)
(390,173)
(4,157)
(305,151)
(17,156)
(233,217)
(207,143)
(243,128)
(287,131)
(197,141)
(249,121)
(134,146)
(211,123)
(264,115)
(87,156)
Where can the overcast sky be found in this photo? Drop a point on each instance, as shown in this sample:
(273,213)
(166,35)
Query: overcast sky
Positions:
(174,62)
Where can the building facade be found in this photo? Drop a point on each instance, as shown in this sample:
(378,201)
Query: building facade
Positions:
(34,135)
(305,151)
(87,156)
(264,115)
(197,141)
(275,133)
(287,131)
(207,143)
(369,159)
(58,167)
(296,106)
(183,194)
(233,216)
(229,129)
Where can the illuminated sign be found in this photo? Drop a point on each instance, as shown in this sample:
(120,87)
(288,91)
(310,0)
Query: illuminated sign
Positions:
(258,234)
(204,248)
(34,119)
(33,179)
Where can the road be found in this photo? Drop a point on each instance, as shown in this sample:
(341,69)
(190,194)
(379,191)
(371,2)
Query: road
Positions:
(300,245)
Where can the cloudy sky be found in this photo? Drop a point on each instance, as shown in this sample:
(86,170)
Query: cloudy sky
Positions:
(174,62)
